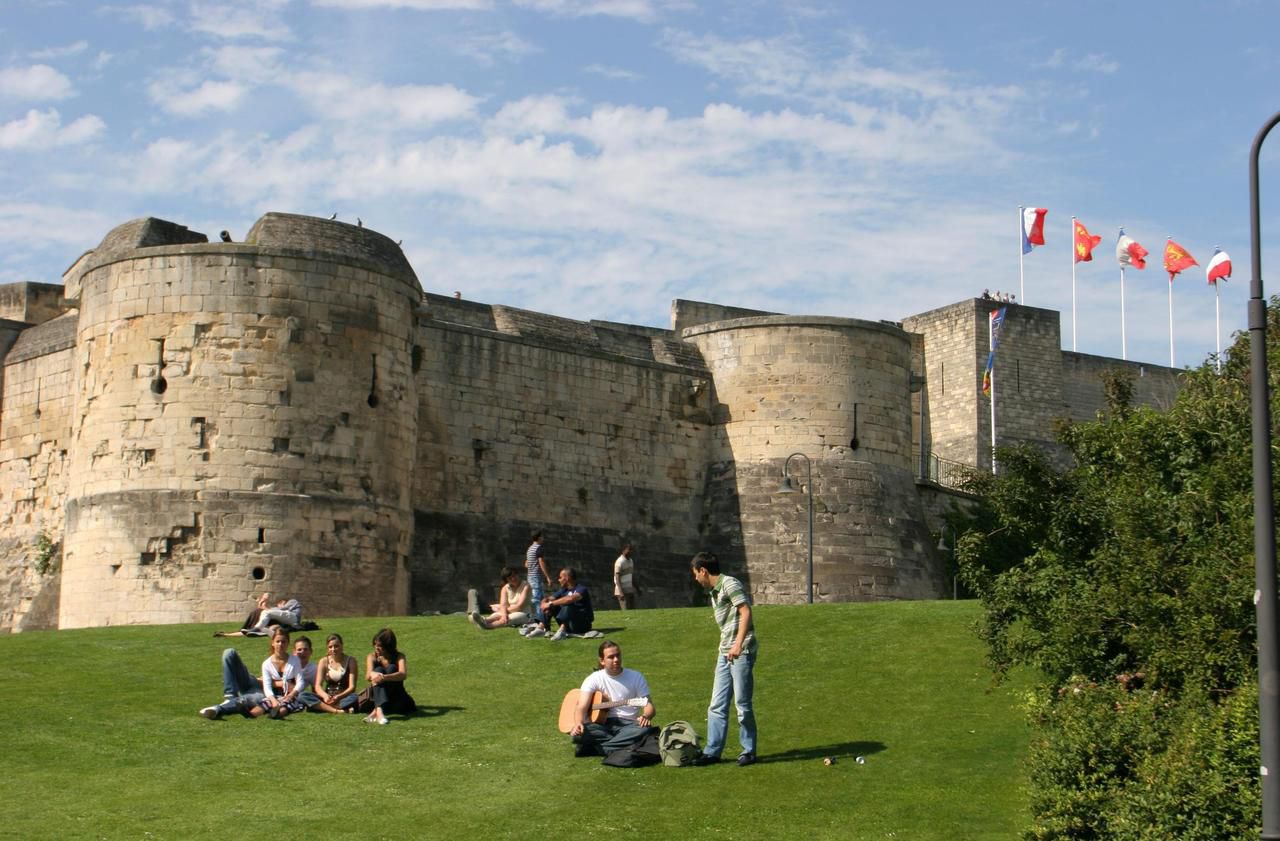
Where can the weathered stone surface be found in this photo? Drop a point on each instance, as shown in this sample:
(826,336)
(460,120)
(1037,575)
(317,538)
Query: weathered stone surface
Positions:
(291,413)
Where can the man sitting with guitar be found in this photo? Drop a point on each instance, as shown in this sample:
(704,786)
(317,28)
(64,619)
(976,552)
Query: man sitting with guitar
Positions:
(612,710)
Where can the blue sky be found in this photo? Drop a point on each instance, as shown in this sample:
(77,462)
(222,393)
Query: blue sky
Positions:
(599,158)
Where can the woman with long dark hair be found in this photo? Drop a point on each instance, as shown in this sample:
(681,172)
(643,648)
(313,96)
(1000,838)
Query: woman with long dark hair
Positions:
(386,670)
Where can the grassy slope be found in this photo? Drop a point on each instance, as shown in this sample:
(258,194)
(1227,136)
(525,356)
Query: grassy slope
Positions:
(103,741)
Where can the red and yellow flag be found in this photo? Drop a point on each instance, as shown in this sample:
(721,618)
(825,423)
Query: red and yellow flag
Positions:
(1176,258)
(1085,243)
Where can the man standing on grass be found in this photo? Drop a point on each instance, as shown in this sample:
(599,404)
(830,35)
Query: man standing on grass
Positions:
(535,566)
(734,661)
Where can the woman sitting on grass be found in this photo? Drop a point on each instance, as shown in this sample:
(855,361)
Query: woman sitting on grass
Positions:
(512,608)
(282,673)
(336,675)
(246,694)
(385,670)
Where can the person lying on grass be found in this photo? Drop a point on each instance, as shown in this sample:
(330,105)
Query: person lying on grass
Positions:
(254,698)
(385,669)
(512,608)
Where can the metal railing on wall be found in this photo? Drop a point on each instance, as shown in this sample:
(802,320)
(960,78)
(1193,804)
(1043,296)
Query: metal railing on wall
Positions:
(948,473)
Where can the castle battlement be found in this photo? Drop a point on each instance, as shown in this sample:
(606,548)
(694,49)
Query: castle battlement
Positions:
(193,422)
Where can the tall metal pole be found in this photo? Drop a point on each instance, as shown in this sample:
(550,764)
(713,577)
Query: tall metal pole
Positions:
(1264,534)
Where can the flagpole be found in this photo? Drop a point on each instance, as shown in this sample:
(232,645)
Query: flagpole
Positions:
(1217,315)
(991,350)
(1171,365)
(1073,284)
(1022,290)
(1217,318)
(1124,347)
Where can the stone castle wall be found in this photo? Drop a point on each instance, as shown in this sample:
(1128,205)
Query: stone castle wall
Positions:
(1036,382)
(291,413)
(837,391)
(37,407)
(246,421)
(597,435)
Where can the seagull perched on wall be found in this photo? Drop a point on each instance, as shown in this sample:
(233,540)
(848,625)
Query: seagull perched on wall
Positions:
(226,236)
(359,222)
(333,216)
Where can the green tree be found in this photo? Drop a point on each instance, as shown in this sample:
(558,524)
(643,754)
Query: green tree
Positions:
(1127,581)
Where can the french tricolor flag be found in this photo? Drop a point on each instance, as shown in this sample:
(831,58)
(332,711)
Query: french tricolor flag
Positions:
(1032,228)
(1219,268)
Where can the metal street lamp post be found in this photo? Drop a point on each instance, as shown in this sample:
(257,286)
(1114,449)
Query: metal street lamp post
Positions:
(1264,532)
(789,488)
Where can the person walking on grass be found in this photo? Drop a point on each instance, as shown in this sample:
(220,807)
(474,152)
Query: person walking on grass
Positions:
(625,588)
(735,658)
(535,566)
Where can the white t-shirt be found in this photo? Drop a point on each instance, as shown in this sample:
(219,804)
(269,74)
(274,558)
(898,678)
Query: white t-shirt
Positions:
(629,684)
(292,674)
(623,569)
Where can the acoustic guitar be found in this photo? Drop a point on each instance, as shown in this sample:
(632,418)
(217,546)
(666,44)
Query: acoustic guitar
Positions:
(600,707)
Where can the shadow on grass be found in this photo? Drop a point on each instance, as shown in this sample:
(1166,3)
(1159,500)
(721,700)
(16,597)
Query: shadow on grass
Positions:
(431,711)
(844,750)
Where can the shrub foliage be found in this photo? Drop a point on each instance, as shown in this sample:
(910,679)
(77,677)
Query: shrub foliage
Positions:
(1127,580)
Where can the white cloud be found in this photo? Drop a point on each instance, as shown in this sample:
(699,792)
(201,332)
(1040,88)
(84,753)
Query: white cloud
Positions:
(489,48)
(244,19)
(337,97)
(60,52)
(37,82)
(640,10)
(149,17)
(41,129)
(419,5)
(208,96)
(253,65)
(613,72)
(1097,63)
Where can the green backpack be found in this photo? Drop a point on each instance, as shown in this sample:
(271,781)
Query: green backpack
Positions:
(678,743)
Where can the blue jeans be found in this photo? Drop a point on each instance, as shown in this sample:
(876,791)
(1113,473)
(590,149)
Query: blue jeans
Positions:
(242,690)
(537,593)
(732,679)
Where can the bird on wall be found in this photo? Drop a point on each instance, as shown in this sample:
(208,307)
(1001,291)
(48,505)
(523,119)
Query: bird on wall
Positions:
(226,236)
(359,222)
(333,216)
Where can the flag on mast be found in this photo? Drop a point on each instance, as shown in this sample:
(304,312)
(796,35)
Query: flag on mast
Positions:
(1129,253)
(1219,268)
(1085,243)
(1176,259)
(1032,228)
(997,321)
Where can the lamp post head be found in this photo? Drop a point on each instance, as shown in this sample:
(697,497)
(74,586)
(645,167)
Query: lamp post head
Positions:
(787,486)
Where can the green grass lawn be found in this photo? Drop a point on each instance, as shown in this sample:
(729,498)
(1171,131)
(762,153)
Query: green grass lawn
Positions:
(102,739)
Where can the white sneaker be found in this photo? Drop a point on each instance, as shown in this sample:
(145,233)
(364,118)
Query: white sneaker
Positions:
(560,634)
(536,631)
(210,713)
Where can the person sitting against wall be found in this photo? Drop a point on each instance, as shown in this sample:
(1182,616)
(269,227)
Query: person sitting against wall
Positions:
(385,669)
(512,609)
(570,606)
(333,686)
(248,695)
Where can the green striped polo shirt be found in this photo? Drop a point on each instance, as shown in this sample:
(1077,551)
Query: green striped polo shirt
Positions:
(726,596)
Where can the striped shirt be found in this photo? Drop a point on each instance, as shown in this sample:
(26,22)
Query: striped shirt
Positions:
(531,567)
(726,597)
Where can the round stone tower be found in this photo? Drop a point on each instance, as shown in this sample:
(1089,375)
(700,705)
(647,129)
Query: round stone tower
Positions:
(246,422)
(836,390)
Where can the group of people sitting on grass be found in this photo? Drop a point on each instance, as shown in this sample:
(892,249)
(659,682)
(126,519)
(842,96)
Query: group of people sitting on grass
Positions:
(569,608)
(291,683)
